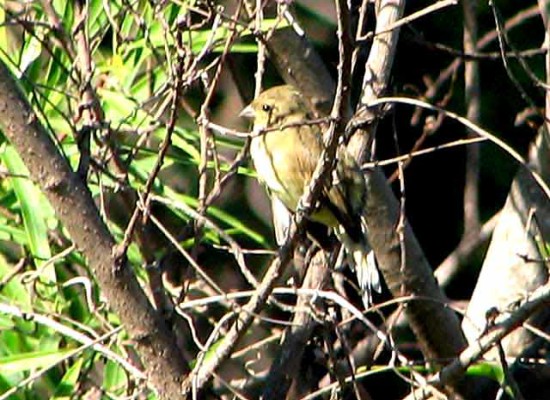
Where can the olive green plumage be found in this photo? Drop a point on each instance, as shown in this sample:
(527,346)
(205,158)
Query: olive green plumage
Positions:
(285,152)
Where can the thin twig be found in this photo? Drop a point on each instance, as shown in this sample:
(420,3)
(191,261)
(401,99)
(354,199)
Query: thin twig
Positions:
(482,132)
(205,221)
(414,16)
(450,71)
(79,337)
(412,154)
(19,267)
(484,343)
(199,376)
(286,365)
(472,99)
(163,150)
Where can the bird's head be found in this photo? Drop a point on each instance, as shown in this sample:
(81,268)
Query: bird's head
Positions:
(276,106)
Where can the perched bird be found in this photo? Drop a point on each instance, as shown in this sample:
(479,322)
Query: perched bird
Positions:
(285,151)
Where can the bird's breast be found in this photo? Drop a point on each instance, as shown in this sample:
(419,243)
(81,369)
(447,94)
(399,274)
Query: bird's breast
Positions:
(263,163)
(280,162)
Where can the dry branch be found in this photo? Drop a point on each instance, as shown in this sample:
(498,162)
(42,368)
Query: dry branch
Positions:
(436,326)
(478,347)
(77,211)
(515,265)
(286,366)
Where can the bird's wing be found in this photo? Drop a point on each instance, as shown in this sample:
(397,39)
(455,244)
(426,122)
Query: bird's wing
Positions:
(346,195)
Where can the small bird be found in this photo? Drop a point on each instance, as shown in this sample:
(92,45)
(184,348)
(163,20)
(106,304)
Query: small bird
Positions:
(285,150)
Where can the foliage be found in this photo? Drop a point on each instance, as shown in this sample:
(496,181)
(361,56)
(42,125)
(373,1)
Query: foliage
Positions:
(115,83)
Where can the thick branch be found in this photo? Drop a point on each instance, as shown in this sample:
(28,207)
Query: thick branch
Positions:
(286,366)
(400,257)
(456,369)
(436,326)
(296,59)
(514,265)
(75,208)
(377,74)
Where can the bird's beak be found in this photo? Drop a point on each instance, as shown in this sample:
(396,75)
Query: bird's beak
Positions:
(247,112)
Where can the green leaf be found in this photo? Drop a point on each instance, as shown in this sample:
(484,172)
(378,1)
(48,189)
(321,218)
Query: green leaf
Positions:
(14,290)
(491,370)
(65,11)
(4,44)
(54,77)
(488,370)
(13,233)
(34,209)
(67,386)
(6,322)
(179,140)
(30,361)
(141,84)
(114,378)
(123,111)
(32,47)
(98,20)
(199,40)
(7,383)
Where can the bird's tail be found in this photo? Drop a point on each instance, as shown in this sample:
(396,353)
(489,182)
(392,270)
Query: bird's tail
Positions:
(361,257)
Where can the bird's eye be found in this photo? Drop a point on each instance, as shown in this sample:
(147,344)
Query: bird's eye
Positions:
(266,107)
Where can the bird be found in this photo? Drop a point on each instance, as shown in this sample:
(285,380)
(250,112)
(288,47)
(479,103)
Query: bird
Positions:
(285,149)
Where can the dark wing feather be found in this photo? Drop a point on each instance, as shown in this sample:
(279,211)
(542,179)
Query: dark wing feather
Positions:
(347,196)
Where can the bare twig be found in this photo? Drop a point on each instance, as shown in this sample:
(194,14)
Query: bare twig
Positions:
(407,157)
(196,380)
(482,132)
(483,42)
(544,6)
(438,5)
(205,221)
(19,267)
(509,380)
(478,55)
(472,99)
(502,42)
(287,364)
(399,255)
(455,370)
(134,220)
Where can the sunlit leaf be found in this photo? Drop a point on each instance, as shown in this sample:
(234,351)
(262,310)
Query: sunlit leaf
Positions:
(31,361)
(34,210)
(66,388)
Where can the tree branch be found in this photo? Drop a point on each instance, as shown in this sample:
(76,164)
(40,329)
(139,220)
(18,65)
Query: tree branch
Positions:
(478,347)
(399,255)
(286,366)
(75,208)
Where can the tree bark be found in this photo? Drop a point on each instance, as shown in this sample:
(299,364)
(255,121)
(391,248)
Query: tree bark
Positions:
(75,208)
